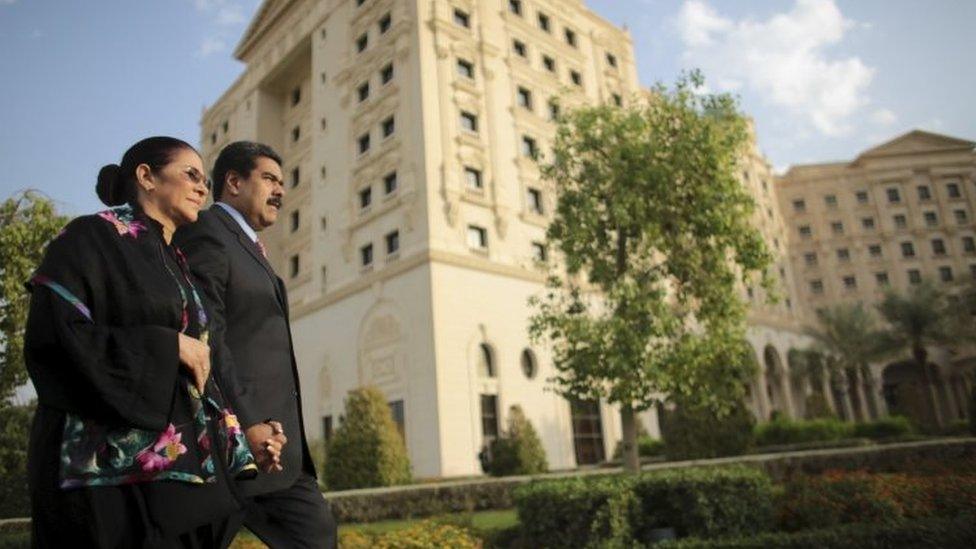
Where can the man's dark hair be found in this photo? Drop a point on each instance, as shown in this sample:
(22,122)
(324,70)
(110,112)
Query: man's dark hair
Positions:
(239,157)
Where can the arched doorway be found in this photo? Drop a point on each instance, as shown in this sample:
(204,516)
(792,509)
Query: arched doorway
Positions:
(907,394)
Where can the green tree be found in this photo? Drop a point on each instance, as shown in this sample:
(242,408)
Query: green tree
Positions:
(28,221)
(367,449)
(650,210)
(518,451)
(850,340)
(917,320)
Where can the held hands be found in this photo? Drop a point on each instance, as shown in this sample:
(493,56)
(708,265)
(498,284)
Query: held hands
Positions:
(195,357)
(266,440)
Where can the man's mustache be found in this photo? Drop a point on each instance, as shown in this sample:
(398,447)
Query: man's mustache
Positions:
(275,201)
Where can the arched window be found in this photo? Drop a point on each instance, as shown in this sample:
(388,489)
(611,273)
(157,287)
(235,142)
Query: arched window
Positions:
(486,361)
(529,364)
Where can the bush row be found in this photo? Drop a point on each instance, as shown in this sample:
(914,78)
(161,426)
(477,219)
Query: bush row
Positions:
(707,502)
(786,431)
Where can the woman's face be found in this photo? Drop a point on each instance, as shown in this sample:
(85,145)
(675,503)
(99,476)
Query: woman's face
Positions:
(181,187)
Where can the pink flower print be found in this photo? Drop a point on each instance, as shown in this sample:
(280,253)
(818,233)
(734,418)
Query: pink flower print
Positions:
(124,227)
(164,452)
(231,424)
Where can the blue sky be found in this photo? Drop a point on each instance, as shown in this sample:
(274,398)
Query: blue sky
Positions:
(824,79)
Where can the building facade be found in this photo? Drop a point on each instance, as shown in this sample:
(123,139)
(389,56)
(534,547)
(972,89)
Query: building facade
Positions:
(415,214)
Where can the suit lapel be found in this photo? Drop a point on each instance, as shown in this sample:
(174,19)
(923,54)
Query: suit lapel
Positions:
(251,248)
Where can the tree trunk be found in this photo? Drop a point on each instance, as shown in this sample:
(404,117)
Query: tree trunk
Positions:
(629,423)
(921,358)
(853,385)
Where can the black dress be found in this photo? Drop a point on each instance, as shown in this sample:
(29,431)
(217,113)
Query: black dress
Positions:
(124,451)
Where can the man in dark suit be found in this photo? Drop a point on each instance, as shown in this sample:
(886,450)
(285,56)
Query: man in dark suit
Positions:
(251,337)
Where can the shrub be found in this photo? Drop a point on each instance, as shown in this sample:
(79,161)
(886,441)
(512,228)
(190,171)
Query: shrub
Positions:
(562,513)
(817,407)
(787,431)
(15,423)
(646,447)
(888,427)
(425,535)
(934,533)
(366,450)
(518,451)
(694,432)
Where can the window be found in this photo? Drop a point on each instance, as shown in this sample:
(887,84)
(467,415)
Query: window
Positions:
(544,22)
(529,147)
(553,111)
(524,97)
(570,37)
(799,205)
(519,48)
(850,282)
(360,2)
(805,231)
(938,246)
(900,221)
(831,200)
(960,216)
(363,143)
(945,274)
(816,286)
(489,419)
(529,364)
(587,431)
(293,266)
(396,412)
(612,60)
(390,182)
(810,258)
(469,121)
(931,220)
(907,249)
(576,77)
(294,221)
(295,177)
(477,237)
(867,223)
(365,198)
(472,178)
(389,126)
(362,92)
(968,244)
(881,278)
(549,63)
(914,276)
(515,6)
(386,74)
(843,254)
(619,101)
(874,250)
(924,193)
(535,201)
(486,361)
(465,68)
(893,195)
(538,251)
(327,428)
(385,23)
(213,137)
(462,19)
(296,133)
(362,42)
(862,197)
(366,255)
(952,189)
(392,242)
(837,227)
(296,96)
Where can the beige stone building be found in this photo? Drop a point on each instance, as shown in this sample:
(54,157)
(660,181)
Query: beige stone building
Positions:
(415,213)
(899,213)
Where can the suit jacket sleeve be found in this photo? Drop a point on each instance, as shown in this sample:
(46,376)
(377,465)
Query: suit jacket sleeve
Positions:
(207,257)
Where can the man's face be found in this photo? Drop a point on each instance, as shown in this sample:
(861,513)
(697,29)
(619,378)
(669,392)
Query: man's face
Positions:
(259,196)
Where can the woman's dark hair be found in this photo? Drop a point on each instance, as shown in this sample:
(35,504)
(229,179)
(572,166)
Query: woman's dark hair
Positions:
(239,157)
(117,183)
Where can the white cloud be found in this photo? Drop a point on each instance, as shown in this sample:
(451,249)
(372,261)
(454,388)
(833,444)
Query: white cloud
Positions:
(783,59)
(211,46)
(226,13)
(884,117)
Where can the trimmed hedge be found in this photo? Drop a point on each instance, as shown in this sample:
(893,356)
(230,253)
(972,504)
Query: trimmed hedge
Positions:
(889,427)
(787,431)
(694,432)
(646,447)
(936,533)
(706,502)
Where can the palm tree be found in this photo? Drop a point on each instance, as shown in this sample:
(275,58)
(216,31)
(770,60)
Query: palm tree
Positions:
(917,320)
(848,339)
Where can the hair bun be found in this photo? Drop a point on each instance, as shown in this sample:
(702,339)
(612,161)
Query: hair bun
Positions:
(109,185)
